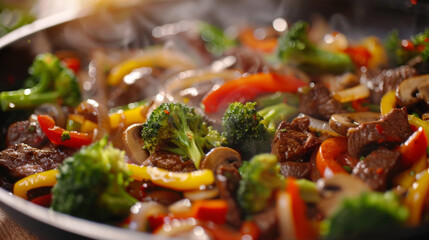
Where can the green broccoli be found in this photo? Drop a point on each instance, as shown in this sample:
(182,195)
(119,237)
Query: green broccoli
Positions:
(399,55)
(215,38)
(177,128)
(295,48)
(370,213)
(49,81)
(260,178)
(91,184)
(244,131)
(273,115)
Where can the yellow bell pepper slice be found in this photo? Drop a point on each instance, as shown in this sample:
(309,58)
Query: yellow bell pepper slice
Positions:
(156,57)
(174,180)
(416,197)
(378,53)
(128,117)
(418,122)
(388,102)
(353,93)
(406,178)
(43,179)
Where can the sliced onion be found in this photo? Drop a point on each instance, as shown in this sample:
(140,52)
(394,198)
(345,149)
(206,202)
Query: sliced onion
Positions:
(201,194)
(285,218)
(317,125)
(177,227)
(140,213)
(180,206)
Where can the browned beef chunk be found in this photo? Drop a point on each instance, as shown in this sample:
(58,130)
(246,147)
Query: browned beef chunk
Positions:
(295,169)
(21,160)
(392,129)
(386,80)
(227,181)
(294,141)
(248,60)
(169,161)
(26,132)
(377,168)
(319,103)
(267,222)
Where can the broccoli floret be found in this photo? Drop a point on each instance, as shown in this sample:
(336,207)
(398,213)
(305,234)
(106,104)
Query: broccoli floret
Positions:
(49,81)
(370,213)
(273,115)
(177,128)
(295,48)
(91,184)
(260,178)
(216,41)
(244,131)
(399,55)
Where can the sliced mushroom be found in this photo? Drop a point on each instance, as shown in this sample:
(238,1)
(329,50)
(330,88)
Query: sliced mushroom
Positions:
(133,144)
(341,122)
(221,155)
(413,90)
(334,189)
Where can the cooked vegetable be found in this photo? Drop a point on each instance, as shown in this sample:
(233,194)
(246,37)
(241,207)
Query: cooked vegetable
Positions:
(215,38)
(261,178)
(414,148)
(416,197)
(296,48)
(49,82)
(274,114)
(176,128)
(244,131)
(247,88)
(60,136)
(267,45)
(91,184)
(43,179)
(329,151)
(400,51)
(370,213)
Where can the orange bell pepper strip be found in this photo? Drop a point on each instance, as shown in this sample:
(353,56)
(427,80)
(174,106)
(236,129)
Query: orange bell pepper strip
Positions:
(247,38)
(213,210)
(414,148)
(247,88)
(60,136)
(328,151)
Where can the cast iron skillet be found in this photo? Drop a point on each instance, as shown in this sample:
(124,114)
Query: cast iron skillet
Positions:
(130,27)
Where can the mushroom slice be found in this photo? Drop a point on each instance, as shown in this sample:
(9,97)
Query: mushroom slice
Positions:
(336,188)
(408,90)
(341,122)
(221,155)
(133,144)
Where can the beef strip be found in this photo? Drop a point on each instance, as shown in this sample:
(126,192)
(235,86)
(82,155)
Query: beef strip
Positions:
(19,161)
(393,128)
(295,169)
(386,80)
(319,103)
(169,161)
(227,181)
(377,168)
(294,141)
(26,132)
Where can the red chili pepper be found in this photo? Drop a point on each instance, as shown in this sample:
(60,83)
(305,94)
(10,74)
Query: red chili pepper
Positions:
(44,200)
(359,55)
(329,150)
(60,136)
(303,228)
(414,148)
(72,63)
(248,87)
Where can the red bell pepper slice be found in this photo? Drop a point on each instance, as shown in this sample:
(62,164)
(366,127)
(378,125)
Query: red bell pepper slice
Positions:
(329,150)
(247,88)
(414,148)
(44,200)
(359,55)
(302,226)
(214,210)
(60,136)
(72,63)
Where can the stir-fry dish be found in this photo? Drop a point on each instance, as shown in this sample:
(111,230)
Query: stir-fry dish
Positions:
(263,132)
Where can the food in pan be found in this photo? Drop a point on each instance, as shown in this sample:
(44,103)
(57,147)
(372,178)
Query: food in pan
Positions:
(270,133)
